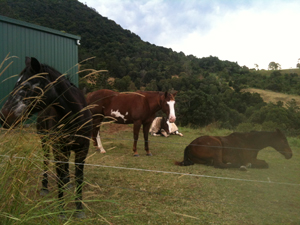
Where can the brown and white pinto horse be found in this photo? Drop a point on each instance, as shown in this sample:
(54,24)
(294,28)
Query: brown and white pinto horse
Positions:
(137,108)
(162,126)
(237,150)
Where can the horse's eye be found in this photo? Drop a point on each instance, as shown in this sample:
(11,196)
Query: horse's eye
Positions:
(22,93)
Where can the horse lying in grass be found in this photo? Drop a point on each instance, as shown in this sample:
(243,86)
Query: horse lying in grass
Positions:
(237,150)
(162,126)
(41,88)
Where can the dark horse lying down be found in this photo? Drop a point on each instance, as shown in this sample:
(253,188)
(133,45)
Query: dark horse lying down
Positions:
(235,150)
(137,108)
(64,118)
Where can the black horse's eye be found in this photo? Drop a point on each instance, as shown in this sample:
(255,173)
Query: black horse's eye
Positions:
(22,93)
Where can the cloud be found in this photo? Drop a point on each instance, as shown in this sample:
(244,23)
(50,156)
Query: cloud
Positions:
(249,32)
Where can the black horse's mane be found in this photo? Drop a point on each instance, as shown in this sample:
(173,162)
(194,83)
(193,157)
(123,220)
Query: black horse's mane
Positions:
(54,74)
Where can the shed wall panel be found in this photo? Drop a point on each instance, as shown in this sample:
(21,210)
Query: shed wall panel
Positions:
(20,39)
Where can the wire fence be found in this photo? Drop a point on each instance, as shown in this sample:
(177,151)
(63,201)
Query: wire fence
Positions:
(159,194)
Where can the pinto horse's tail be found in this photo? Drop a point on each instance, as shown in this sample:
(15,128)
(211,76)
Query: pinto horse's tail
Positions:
(186,161)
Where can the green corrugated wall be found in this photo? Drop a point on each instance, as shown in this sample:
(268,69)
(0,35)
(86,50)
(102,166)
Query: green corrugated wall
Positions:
(20,39)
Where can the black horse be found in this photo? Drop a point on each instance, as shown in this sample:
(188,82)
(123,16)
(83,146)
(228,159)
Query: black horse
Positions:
(64,117)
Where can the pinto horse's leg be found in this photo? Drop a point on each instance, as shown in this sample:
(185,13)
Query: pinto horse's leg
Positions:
(100,146)
(136,130)
(44,191)
(96,133)
(146,128)
(80,157)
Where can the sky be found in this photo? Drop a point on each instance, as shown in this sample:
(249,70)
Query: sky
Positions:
(249,32)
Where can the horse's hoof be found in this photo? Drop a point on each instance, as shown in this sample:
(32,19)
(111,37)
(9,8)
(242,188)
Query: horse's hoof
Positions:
(69,186)
(136,155)
(243,168)
(44,192)
(62,216)
(149,154)
(80,215)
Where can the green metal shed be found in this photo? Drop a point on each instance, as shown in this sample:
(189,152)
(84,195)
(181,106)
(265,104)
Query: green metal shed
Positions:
(20,39)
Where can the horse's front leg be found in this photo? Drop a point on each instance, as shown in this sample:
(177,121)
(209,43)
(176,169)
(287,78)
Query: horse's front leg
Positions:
(136,130)
(259,163)
(146,128)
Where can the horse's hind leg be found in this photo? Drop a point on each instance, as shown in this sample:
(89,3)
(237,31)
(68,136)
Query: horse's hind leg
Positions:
(79,166)
(136,130)
(44,191)
(96,133)
(62,170)
(146,128)
(218,160)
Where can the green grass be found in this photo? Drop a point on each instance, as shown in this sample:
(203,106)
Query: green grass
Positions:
(196,194)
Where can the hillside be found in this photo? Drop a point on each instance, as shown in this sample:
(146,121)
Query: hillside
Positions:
(274,97)
(209,88)
(120,51)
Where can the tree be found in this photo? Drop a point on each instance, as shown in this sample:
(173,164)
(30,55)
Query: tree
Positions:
(298,64)
(274,66)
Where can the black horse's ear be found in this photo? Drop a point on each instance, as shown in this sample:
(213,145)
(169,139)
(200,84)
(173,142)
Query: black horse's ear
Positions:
(35,65)
(27,61)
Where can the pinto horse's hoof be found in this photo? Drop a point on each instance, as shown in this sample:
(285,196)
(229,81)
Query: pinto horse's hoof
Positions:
(149,154)
(136,155)
(44,192)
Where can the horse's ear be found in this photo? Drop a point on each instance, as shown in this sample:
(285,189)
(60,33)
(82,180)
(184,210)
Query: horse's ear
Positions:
(35,65)
(175,93)
(166,94)
(27,61)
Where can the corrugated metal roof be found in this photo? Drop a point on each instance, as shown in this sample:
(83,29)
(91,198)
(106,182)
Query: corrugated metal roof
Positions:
(37,27)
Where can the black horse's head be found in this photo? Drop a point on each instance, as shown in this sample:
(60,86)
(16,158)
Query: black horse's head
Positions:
(30,94)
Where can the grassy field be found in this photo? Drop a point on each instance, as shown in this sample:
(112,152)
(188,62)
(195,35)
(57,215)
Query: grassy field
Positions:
(122,189)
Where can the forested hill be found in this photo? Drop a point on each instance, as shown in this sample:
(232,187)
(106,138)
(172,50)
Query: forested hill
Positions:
(116,49)
(209,88)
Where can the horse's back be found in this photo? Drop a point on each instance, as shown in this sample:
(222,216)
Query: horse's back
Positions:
(204,146)
(125,107)
(97,96)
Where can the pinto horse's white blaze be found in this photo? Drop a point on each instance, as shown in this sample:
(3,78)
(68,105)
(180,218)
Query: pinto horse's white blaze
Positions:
(172,116)
(118,114)
(99,143)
